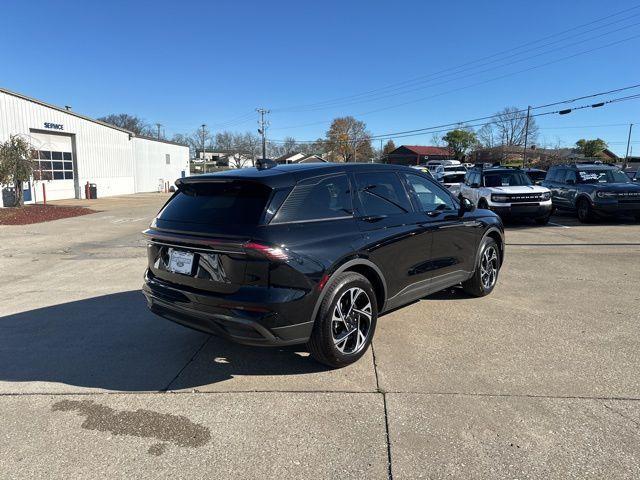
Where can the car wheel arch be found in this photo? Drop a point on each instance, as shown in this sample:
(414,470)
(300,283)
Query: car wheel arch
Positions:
(582,196)
(366,268)
(495,234)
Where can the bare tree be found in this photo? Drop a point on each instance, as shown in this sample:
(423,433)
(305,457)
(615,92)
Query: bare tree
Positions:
(225,141)
(510,125)
(289,145)
(487,136)
(133,123)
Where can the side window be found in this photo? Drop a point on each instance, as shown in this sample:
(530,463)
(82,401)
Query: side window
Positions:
(320,198)
(570,175)
(430,197)
(551,175)
(556,175)
(382,194)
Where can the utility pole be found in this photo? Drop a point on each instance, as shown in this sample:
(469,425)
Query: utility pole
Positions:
(626,156)
(355,148)
(381,152)
(204,160)
(526,137)
(262,130)
(158,125)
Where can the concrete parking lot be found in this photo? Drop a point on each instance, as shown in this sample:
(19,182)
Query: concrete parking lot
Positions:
(539,380)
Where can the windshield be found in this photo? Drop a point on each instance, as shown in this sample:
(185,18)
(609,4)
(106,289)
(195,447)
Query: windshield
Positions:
(537,176)
(215,203)
(602,176)
(506,179)
(453,178)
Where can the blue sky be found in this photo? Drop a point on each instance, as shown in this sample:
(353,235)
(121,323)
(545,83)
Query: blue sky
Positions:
(186,63)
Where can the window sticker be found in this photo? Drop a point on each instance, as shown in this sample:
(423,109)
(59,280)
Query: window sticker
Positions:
(589,176)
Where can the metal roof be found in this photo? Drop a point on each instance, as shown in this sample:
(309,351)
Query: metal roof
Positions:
(83,117)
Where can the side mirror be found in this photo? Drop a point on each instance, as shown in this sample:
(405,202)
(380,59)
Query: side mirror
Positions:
(466,205)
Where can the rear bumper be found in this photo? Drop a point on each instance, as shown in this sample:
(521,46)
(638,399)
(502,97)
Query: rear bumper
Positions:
(515,210)
(243,324)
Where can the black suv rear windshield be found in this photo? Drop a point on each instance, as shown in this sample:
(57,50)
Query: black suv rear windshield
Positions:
(234,202)
(602,176)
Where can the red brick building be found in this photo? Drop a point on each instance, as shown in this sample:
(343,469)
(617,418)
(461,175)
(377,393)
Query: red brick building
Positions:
(416,154)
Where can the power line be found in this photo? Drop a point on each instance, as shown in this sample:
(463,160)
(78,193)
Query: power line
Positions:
(477,83)
(467,123)
(403,90)
(422,77)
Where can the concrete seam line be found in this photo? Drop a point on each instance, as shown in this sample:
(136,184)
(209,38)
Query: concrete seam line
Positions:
(187,364)
(627,244)
(342,392)
(386,414)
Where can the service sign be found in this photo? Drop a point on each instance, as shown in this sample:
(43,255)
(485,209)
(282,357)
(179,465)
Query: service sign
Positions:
(53,126)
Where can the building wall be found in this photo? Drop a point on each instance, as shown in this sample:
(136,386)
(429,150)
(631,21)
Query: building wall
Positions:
(152,169)
(115,160)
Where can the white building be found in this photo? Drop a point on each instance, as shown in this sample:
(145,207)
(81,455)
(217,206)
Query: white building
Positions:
(72,149)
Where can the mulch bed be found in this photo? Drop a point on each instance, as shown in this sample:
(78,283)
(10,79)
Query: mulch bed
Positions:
(39,213)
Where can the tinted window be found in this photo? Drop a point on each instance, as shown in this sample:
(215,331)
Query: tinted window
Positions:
(557,175)
(234,202)
(602,176)
(506,179)
(382,194)
(429,196)
(570,175)
(317,199)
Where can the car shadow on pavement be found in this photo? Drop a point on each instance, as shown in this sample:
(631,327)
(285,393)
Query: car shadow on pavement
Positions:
(113,342)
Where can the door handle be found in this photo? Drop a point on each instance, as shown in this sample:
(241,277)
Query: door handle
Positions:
(373,218)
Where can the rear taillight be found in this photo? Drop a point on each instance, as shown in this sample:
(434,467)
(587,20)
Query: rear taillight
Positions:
(268,251)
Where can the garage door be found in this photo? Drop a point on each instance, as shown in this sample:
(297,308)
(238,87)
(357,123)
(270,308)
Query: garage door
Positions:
(54,166)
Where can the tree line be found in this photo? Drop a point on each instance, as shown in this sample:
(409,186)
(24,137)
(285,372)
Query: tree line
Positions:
(348,139)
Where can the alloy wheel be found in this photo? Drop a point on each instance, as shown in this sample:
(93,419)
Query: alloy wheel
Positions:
(351,321)
(489,267)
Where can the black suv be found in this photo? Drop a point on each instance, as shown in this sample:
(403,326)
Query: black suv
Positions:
(313,253)
(591,189)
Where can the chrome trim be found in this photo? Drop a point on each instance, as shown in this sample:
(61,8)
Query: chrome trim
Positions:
(312,220)
(197,249)
(411,286)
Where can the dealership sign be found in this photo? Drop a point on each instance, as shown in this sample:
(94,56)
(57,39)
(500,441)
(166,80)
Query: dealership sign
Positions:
(54,126)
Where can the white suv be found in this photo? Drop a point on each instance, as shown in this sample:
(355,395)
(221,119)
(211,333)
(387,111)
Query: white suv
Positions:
(508,192)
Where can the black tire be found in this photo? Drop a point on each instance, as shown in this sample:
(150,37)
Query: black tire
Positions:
(322,343)
(543,220)
(476,285)
(585,212)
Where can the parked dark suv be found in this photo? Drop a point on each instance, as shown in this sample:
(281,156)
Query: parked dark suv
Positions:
(313,253)
(591,189)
